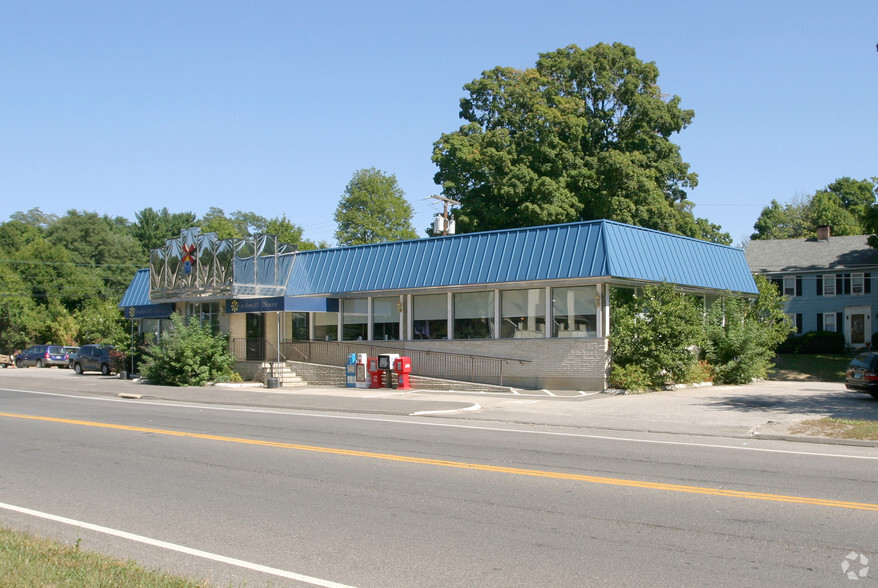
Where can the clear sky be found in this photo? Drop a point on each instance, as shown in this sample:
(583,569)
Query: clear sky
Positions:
(271,106)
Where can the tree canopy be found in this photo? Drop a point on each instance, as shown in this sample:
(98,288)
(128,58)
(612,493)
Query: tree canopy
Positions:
(152,228)
(373,209)
(846,205)
(61,278)
(583,135)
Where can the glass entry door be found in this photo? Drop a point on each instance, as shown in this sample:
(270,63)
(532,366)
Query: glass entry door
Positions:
(255,332)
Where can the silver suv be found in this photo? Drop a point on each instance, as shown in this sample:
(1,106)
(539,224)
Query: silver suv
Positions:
(93,358)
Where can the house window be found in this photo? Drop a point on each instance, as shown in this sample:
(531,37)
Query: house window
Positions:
(789,286)
(829,285)
(829,322)
(857,288)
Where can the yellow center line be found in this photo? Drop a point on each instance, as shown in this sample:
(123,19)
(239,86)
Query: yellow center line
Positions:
(468,466)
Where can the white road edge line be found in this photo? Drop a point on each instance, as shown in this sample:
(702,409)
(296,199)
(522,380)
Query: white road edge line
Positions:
(173,547)
(468,408)
(292,412)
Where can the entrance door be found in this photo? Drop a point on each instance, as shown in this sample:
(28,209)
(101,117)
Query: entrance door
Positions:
(859,325)
(255,332)
(858,329)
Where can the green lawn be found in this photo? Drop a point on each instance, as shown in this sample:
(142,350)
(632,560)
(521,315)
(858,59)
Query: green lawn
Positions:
(822,367)
(27,561)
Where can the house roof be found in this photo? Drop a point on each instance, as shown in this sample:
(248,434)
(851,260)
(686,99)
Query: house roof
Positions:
(557,252)
(799,255)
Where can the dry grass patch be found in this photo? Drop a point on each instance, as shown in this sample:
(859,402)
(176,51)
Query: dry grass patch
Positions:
(27,561)
(838,429)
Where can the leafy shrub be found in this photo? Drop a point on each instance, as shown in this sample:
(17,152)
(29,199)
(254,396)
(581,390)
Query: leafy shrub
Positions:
(117,361)
(814,342)
(699,372)
(656,332)
(189,355)
(742,335)
(629,377)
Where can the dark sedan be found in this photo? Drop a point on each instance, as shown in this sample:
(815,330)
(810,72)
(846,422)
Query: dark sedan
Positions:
(862,374)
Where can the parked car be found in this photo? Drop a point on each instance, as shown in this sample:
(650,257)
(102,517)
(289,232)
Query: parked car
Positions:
(6,360)
(42,356)
(862,374)
(71,353)
(93,358)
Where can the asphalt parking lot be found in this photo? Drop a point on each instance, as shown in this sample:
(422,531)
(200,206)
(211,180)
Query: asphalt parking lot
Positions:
(762,409)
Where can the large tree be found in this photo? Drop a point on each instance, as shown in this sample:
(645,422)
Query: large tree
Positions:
(583,135)
(846,205)
(152,228)
(373,209)
(100,244)
(291,233)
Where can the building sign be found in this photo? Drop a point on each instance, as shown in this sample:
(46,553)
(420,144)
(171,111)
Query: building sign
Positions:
(148,311)
(275,304)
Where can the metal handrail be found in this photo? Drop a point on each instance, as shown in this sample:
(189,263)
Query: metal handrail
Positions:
(425,362)
(239,348)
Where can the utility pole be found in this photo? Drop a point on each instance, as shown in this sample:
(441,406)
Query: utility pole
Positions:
(446,202)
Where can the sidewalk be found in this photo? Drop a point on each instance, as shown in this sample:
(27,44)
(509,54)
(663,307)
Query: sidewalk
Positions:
(764,409)
(767,410)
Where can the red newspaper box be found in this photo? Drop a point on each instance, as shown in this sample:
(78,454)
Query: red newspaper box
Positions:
(403,367)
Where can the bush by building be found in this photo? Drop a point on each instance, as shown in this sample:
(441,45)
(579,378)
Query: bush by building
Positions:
(191,354)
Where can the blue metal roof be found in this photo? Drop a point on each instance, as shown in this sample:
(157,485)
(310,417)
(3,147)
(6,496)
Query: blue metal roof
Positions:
(645,254)
(576,250)
(137,293)
(135,302)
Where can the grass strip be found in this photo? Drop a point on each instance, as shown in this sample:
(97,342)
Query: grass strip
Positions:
(27,561)
(838,428)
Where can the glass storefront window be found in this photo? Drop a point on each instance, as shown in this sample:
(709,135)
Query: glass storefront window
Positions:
(151,330)
(430,316)
(205,312)
(385,318)
(574,312)
(523,313)
(356,317)
(326,326)
(474,315)
(297,326)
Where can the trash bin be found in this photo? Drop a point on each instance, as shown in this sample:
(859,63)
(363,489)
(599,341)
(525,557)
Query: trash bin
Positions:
(272,382)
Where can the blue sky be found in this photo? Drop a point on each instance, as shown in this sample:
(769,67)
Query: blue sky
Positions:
(271,106)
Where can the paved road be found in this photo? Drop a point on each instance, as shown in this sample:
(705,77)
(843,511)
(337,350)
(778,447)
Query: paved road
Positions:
(339,485)
(764,409)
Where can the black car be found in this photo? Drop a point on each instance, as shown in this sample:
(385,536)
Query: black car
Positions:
(862,374)
(42,356)
(93,358)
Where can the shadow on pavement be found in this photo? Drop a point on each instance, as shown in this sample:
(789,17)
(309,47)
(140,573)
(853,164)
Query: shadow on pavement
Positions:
(842,405)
